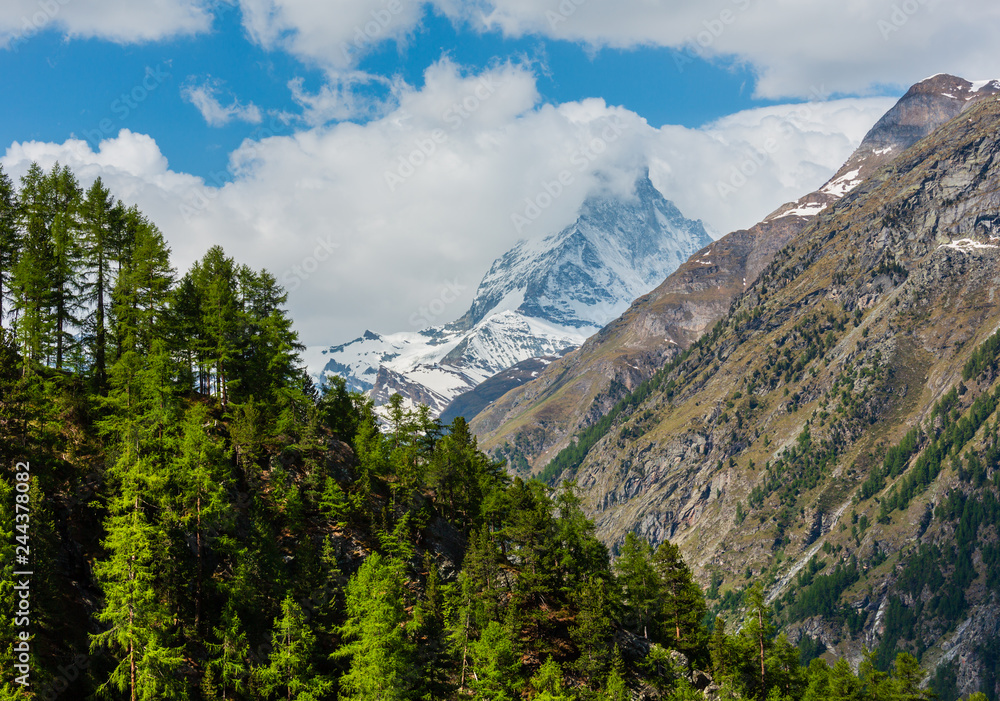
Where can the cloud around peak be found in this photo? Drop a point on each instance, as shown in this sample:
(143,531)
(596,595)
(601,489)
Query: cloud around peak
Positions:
(363,223)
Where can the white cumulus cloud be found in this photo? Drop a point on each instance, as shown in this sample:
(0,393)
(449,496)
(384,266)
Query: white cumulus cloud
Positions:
(365,223)
(122,21)
(795,48)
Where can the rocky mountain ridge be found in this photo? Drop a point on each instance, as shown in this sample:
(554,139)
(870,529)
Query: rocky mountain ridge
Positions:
(532,423)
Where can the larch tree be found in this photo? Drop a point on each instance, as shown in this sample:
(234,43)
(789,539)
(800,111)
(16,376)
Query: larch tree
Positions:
(102,221)
(379,652)
(67,262)
(201,481)
(9,239)
(683,605)
(290,673)
(638,583)
(34,270)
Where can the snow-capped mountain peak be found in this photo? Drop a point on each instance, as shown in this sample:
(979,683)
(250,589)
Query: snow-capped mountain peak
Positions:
(542,297)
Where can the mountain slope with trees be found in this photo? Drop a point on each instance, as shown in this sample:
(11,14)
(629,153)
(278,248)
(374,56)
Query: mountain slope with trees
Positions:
(205,525)
(834,435)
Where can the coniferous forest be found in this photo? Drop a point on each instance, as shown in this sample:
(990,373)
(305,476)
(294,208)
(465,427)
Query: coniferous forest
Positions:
(205,523)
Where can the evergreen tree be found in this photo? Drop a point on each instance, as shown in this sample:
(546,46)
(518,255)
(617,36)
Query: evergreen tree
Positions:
(638,583)
(843,684)
(138,625)
(67,260)
(429,633)
(757,641)
(548,683)
(201,484)
(341,409)
(682,603)
(380,655)
(142,286)
(290,673)
(134,609)
(578,550)
(9,239)
(615,688)
(906,678)
(592,630)
(721,651)
(34,270)
(531,534)
(264,357)
(102,221)
(496,665)
(231,655)
(818,687)
(215,277)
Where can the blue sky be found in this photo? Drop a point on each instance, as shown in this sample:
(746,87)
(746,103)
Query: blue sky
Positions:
(91,88)
(246,123)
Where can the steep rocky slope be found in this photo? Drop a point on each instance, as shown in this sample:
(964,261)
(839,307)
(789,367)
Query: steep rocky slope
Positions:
(532,423)
(836,433)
